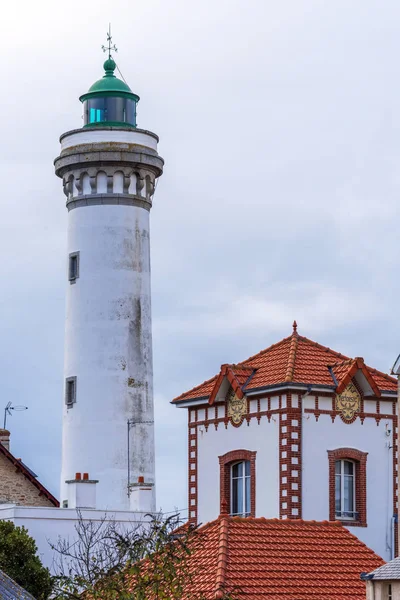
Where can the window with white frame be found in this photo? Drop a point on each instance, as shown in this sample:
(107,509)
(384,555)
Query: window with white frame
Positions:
(240,489)
(389,594)
(345,489)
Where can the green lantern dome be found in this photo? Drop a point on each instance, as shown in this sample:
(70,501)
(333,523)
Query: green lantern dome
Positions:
(109,101)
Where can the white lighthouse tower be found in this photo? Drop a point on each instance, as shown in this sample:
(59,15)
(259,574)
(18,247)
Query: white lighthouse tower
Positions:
(109,168)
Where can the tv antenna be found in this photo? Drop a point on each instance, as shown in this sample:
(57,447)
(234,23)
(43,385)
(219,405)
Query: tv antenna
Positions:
(9,407)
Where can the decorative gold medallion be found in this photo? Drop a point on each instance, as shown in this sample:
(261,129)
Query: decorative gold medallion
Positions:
(236,408)
(348,402)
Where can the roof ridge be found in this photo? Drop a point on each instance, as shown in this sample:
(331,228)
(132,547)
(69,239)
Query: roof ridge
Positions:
(240,366)
(286,356)
(222,557)
(297,522)
(283,522)
(340,363)
(292,356)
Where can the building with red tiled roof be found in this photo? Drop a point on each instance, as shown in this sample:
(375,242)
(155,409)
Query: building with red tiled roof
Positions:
(297,431)
(19,484)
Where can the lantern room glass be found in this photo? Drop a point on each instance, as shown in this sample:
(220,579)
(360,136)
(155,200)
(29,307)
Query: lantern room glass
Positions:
(109,109)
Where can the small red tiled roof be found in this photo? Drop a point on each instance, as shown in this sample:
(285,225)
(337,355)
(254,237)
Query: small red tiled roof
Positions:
(19,465)
(296,359)
(278,559)
(237,376)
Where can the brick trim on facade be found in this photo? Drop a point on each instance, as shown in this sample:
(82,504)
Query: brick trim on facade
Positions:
(290,459)
(360,460)
(192,473)
(259,406)
(225,462)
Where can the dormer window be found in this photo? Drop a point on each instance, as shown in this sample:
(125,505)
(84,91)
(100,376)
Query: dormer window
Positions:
(240,489)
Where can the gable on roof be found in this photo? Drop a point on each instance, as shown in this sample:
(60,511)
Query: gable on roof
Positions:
(295,360)
(19,468)
(234,377)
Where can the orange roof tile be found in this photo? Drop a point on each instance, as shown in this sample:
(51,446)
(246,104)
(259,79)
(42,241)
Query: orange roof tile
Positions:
(237,377)
(295,359)
(280,559)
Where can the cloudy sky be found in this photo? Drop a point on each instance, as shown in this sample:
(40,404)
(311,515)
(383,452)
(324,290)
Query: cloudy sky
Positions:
(280,128)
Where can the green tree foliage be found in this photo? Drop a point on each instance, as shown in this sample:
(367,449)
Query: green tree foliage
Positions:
(19,560)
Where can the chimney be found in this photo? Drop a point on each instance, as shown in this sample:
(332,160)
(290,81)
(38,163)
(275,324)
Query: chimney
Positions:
(5,438)
(141,496)
(82,491)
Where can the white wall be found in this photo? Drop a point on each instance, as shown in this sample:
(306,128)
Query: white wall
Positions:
(317,438)
(108,348)
(50,524)
(262,438)
(90,136)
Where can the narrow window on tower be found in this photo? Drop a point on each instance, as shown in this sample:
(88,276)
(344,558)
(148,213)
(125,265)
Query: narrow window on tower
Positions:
(73,268)
(70,391)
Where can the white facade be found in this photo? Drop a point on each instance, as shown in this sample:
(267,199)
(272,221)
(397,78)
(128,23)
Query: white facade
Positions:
(48,525)
(263,439)
(109,178)
(291,438)
(377,440)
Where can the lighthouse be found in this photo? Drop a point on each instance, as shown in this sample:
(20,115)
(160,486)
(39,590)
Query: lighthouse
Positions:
(109,168)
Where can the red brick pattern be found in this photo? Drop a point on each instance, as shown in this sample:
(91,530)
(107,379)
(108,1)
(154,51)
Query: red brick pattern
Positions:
(395,449)
(360,459)
(225,463)
(192,474)
(290,467)
(290,499)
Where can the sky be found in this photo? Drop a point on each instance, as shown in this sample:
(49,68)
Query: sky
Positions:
(279,124)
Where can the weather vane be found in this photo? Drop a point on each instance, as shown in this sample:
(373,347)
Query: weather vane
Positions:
(111,46)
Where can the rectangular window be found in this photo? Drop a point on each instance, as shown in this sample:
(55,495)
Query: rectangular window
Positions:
(390,596)
(70,391)
(345,505)
(96,115)
(73,268)
(240,489)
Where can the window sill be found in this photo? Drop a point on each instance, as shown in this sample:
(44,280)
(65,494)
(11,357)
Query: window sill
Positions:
(351,522)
